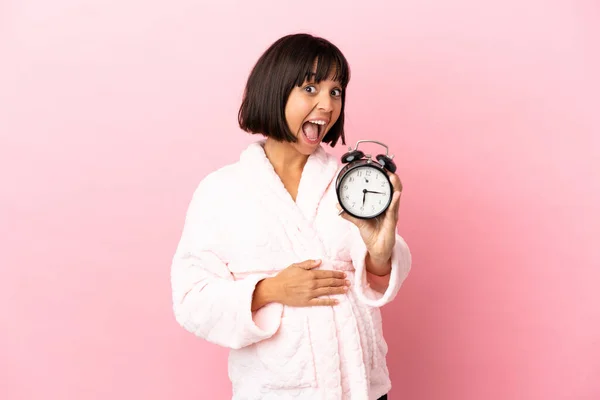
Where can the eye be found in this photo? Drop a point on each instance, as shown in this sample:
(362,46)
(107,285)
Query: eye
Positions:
(336,92)
(308,89)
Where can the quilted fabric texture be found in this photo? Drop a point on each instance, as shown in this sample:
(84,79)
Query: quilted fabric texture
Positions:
(242,226)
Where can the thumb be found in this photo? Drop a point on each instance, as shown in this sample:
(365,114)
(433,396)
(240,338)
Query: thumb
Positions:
(309,264)
(395,205)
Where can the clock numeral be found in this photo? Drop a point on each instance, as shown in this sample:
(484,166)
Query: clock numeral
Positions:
(345,186)
(359,173)
(368,173)
(347,197)
(383,184)
(351,179)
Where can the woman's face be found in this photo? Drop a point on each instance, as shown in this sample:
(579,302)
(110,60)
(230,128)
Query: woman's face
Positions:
(311,110)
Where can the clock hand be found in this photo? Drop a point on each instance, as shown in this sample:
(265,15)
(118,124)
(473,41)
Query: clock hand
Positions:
(364,195)
(370,191)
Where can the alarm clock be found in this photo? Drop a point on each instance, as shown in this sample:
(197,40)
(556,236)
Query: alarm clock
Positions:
(363,187)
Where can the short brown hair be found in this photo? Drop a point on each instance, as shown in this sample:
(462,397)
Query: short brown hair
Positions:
(288,62)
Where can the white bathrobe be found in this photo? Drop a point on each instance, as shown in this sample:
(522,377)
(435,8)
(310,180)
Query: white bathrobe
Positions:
(242,226)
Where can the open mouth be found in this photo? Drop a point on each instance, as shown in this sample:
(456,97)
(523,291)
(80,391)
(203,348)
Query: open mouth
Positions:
(313,130)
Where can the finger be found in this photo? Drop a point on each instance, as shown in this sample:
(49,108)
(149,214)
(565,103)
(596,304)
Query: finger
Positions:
(308,264)
(329,274)
(325,291)
(323,302)
(395,181)
(390,220)
(395,205)
(331,282)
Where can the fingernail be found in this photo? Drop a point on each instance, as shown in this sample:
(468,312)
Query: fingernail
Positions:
(348,282)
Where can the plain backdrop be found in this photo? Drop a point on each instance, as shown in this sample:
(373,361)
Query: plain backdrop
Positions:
(111,112)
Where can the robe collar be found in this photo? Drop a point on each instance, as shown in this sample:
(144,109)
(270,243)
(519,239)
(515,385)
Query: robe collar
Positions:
(318,173)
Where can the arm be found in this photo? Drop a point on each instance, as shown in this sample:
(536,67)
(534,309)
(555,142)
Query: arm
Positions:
(265,293)
(378,268)
(371,288)
(380,256)
(207,301)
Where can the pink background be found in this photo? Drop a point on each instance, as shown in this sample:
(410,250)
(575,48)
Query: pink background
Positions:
(111,112)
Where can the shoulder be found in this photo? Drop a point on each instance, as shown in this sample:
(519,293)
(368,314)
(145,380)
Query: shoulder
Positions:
(218,185)
(219,177)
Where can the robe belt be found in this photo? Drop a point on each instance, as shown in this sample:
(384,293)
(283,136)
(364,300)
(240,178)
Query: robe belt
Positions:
(327,264)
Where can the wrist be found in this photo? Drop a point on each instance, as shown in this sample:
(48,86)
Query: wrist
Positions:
(264,293)
(271,289)
(379,266)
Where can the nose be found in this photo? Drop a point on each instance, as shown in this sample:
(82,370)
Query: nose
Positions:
(325,102)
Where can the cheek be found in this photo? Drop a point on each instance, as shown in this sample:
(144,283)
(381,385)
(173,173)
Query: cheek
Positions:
(336,112)
(296,112)
(294,118)
(291,113)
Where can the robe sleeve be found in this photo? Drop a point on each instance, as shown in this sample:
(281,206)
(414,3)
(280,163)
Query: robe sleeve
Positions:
(207,301)
(374,290)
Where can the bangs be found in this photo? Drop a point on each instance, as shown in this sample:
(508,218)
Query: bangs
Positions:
(330,63)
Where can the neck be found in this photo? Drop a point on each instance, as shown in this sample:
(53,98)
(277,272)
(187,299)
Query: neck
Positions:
(286,160)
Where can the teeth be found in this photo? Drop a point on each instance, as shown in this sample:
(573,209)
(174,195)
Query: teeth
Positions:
(317,122)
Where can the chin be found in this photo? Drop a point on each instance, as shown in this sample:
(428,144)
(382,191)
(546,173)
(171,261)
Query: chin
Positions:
(306,150)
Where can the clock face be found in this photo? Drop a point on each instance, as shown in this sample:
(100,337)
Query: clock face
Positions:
(365,192)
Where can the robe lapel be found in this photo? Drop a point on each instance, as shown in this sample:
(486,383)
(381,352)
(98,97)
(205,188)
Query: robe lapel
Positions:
(317,175)
(319,172)
(266,185)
